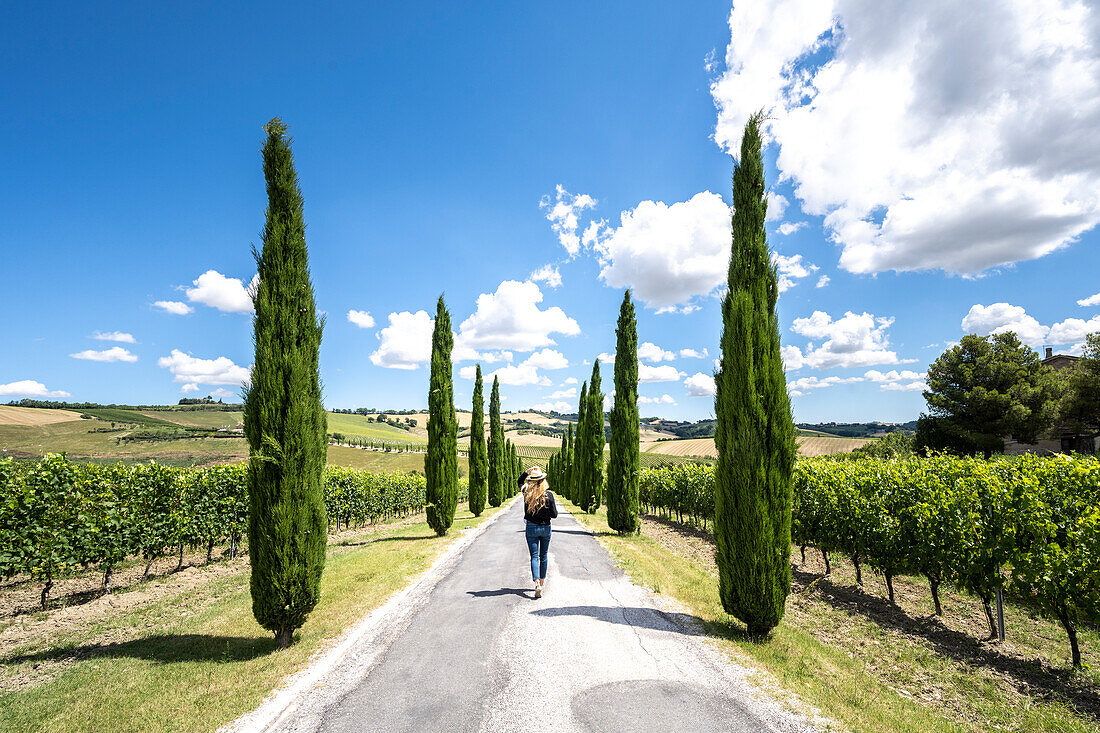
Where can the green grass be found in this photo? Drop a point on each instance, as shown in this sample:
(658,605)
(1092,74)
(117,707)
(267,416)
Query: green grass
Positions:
(199,418)
(862,675)
(357,425)
(198,660)
(381,462)
(123,415)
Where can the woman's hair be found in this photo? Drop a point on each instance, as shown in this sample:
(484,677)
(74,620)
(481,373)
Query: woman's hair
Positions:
(534,495)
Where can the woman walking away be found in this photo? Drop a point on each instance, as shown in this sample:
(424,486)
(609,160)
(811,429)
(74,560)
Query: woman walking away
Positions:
(539,508)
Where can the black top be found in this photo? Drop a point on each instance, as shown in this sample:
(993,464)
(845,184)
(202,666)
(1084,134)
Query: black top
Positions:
(542,516)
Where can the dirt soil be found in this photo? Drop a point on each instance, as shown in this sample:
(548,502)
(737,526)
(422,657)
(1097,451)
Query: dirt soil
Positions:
(78,603)
(959,637)
(10,415)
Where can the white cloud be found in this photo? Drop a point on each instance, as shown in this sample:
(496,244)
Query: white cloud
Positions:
(662,400)
(548,274)
(666,373)
(510,319)
(174,307)
(553,407)
(1073,330)
(115,353)
(939,113)
(650,351)
(406,342)
(693,354)
(700,385)
(190,371)
(805,384)
(571,380)
(777,206)
(547,359)
(362,319)
(518,375)
(680,309)
(983,320)
(1089,301)
(564,394)
(822,281)
(893,375)
(787,228)
(562,213)
(855,340)
(224,293)
(906,387)
(119,336)
(790,269)
(606,358)
(30,388)
(668,254)
(223,393)
(792,358)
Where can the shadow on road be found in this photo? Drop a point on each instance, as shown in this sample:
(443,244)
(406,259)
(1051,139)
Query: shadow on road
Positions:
(646,618)
(162,648)
(499,592)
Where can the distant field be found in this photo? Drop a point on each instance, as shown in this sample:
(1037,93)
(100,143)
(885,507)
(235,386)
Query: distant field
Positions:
(34,416)
(358,426)
(380,462)
(198,418)
(817,445)
(123,415)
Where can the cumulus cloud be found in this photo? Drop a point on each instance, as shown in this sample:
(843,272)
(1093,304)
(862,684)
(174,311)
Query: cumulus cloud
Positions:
(192,371)
(516,375)
(666,373)
(562,212)
(693,354)
(406,342)
(552,407)
(564,394)
(119,336)
(571,380)
(1089,301)
(224,293)
(787,228)
(548,274)
(939,113)
(983,320)
(790,269)
(174,307)
(115,353)
(662,400)
(1073,330)
(362,319)
(547,359)
(701,385)
(650,351)
(891,381)
(30,388)
(856,340)
(668,254)
(792,358)
(511,319)
(822,281)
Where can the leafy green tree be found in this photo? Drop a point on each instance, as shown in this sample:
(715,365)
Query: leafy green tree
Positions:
(284,419)
(983,390)
(754,431)
(622,464)
(496,448)
(441,458)
(479,455)
(1079,407)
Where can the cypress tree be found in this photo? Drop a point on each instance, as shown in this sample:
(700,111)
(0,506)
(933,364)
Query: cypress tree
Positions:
(622,465)
(567,467)
(441,458)
(580,455)
(496,448)
(755,434)
(284,420)
(479,457)
(592,471)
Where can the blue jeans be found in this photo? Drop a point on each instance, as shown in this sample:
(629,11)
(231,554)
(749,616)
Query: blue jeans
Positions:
(538,542)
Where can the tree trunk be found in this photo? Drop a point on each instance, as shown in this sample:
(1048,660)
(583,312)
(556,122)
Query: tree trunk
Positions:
(989,617)
(828,567)
(148,565)
(283,638)
(107,579)
(890,586)
(859,571)
(46,593)
(209,550)
(1071,631)
(179,565)
(233,546)
(936,595)
(803,549)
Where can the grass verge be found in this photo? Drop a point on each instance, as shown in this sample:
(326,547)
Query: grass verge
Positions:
(197,660)
(845,653)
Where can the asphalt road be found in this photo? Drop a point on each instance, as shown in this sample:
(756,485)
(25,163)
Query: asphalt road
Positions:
(596,653)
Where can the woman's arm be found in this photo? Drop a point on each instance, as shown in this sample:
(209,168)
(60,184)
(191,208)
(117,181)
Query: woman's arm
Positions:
(553,505)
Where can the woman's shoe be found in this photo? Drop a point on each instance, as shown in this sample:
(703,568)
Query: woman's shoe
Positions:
(538,591)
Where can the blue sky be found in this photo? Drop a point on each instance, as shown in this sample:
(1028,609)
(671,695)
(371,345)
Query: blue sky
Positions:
(446,148)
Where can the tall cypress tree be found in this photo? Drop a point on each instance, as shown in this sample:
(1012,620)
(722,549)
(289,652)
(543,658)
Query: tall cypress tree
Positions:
(284,420)
(592,473)
(441,459)
(567,468)
(755,434)
(622,464)
(479,456)
(580,454)
(496,448)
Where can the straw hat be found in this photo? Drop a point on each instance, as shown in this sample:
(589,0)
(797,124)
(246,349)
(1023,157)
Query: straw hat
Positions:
(534,473)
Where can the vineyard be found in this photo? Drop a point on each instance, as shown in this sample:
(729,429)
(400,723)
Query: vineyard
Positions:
(808,446)
(58,516)
(1028,525)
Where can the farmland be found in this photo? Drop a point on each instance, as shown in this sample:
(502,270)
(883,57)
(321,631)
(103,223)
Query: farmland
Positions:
(817,445)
